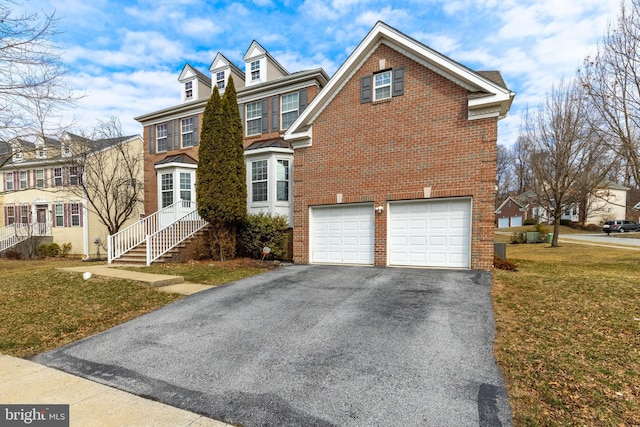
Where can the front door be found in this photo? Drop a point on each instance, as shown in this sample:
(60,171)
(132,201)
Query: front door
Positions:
(41,218)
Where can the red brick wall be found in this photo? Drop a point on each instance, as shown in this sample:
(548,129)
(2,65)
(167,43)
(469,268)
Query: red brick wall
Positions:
(150,160)
(392,150)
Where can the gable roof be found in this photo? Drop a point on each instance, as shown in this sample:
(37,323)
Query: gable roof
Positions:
(507,200)
(221,61)
(490,99)
(256,47)
(189,72)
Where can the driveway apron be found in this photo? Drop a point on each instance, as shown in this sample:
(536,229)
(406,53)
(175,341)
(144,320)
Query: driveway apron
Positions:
(313,346)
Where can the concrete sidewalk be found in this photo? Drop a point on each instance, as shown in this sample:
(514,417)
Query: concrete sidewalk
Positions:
(164,282)
(90,403)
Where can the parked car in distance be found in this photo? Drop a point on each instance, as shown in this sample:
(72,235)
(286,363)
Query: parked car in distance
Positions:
(619,225)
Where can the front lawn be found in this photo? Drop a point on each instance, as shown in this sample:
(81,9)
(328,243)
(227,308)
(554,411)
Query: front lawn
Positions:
(43,308)
(210,272)
(568,334)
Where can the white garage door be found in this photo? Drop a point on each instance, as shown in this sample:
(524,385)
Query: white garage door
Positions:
(342,234)
(503,222)
(516,221)
(435,233)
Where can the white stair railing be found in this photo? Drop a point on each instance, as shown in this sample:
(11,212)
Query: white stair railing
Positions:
(128,238)
(15,233)
(162,241)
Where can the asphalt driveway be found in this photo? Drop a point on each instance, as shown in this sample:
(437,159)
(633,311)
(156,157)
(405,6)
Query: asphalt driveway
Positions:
(313,346)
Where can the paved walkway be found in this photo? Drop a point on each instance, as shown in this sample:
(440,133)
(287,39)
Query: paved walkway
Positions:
(164,282)
(93,404)
(90,403)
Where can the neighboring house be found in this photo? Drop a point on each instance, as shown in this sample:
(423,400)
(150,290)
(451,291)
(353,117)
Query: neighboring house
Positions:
(607,202)
(511,213)
(40,193)
(390,162)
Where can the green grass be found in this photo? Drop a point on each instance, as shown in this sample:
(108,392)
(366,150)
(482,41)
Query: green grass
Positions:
(43,308)
(210,272)
(568,335)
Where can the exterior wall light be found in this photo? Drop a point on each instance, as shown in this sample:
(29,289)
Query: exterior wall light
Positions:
(379,209)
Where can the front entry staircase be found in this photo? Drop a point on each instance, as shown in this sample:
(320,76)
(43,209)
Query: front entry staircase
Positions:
(157,237)
(11,235)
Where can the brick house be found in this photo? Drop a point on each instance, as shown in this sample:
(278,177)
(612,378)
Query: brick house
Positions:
(390,162)
(395,160)
(269,100)
(511,213)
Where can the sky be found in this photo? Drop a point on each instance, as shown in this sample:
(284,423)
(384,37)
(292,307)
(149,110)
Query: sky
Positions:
(125,56)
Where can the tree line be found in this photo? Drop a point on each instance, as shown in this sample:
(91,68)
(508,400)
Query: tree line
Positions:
(585,130)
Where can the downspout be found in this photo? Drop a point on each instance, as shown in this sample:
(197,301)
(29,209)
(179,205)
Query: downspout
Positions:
(85,227)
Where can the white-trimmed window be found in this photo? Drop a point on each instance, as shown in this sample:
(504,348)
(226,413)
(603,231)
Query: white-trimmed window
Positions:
(254,118)
(57,177)
(74,178)
(75,214)
(185,186)
(24,214)
(282,180)
(382,85)
(58,209)
(259,175)
(255,70)
(186,126)
(220,81)
(8,181)
(166,189)
(188,90)
(24,181)
(290,108)
(41,153)
(162,139)
(66,149)
(18,156)
(11,215)
(40,178)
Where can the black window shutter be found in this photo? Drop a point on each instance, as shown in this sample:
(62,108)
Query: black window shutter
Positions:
(196,137)
(169,143)
(265,115)
(176,134)
(302,100)
(275,100)
(152,139)
(398,81)
(365,89)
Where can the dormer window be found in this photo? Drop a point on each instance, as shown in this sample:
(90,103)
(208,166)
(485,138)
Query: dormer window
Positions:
(66,149)
(188,90)
(41,153)
(220,80)
(255,70)
(18,156)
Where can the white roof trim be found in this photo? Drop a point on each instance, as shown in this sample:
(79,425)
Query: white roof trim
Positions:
(382,33)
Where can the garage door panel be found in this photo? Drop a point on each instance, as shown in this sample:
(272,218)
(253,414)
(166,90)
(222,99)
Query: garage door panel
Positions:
(503,222)
(342,234)
(438,234)
(516,221)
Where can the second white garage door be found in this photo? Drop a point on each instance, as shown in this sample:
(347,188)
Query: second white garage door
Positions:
(434,233)
(342,234)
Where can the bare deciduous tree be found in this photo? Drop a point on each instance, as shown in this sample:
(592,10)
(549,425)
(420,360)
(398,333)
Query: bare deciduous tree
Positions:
(112,169)
(565,160)
(504,173)
(611,79)
(32,77)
